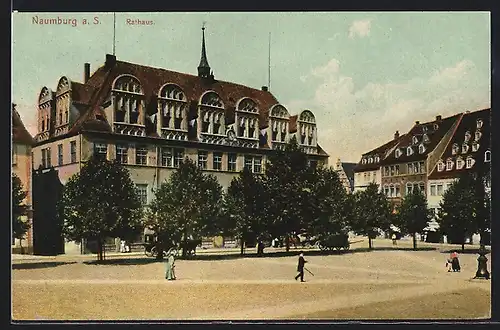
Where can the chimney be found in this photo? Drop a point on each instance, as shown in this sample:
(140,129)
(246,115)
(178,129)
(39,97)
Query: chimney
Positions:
(264,88)
(468,111)
(396,135)
(110,60)
(417,122)
(86,73)
(438,118)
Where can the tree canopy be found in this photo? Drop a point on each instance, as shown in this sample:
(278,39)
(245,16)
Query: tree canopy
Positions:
(372,212)
(19,208)
(101,201)
(413,214)
(187,205)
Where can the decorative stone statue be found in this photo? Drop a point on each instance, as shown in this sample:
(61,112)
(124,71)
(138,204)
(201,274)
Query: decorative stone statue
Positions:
(482,266)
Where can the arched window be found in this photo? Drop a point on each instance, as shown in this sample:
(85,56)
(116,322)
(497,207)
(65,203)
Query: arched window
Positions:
(440,166)
(370,160)
(477,135)
(247,105)
(279,118)
(414,140)
(397,153)
(392,190)
(409,188)
(307,126)
(409,151)
(460,163)
(467,136)
(426,138)
(421,148)
(63,101)
(449,164)
(363,161)
(398,191)
(44,109)
(470,162)
(479,123)
(212,110)
(455,148)
(386,190)
(421,187)
(128,95)
(377,159)
(487,156)
(172,103)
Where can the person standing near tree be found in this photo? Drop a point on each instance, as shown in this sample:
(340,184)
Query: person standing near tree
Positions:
(300,267)
(169,270)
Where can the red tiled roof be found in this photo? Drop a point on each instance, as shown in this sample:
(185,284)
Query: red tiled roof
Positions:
(468,123)
(81,93)
(292,128)
(380,151)
(19,132)
(417,130)
(152,79)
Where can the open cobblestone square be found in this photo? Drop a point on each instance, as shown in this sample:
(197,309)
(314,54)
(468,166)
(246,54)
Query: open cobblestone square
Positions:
(386,283)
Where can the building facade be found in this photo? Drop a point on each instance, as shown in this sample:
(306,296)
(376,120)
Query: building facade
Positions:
(468,150)
(22,142)
(149,119)
(345,172)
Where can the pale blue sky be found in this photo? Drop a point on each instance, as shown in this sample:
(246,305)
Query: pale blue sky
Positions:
(364,75)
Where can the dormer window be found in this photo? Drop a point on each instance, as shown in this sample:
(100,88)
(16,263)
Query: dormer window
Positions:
(397,153)
(377,159)
(426,138)
(440,166)
(470,162)
(370,160)
(460,163)
(475,147)
(363,161)
(421,149)
(487,156)
(477,135)
(465,148)
(449,165)
(454,149)
(479,123)
(414,140)
(436,127)
(467,136)
(409,151)
(424,129)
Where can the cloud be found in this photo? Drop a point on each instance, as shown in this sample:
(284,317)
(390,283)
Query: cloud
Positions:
(360,28)
(352,122)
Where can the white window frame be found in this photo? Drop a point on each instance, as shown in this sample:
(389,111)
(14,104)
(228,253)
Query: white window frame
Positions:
(217,161)
(414,139)
(465,148)
(477,135)
(202,159)
(439,189)
(141,155)
(122,153)
(449,165)
(440,166)
(454,149)
(467,136)
(469,162)
(231,162)
(479,123)
(257,164)
(167,157)
(397,153)
(433,189)
(487,156)
(421,149)
(60,154)
(475,147)
(178,155)
(72,151)
(460,163)
(99,147)
(409,151)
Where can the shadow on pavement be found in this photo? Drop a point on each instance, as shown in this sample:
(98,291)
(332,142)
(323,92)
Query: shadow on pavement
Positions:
(45,264)
(466,251)
(124,261)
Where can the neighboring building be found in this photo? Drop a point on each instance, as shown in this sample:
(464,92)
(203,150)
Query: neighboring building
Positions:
(468,150)
(151,118)
(346,174)
(21,166)
(405,167)
(368,168)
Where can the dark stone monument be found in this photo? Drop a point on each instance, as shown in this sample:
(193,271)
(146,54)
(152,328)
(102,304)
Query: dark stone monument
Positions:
(482,266)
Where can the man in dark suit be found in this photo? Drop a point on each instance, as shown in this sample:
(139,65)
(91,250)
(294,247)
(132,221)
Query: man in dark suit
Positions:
(300,267)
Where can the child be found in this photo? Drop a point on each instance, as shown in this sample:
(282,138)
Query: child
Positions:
(453,263)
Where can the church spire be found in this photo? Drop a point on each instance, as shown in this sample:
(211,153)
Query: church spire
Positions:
(203,68)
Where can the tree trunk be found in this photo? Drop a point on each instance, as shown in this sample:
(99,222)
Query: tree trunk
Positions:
(370,243)
(184,248)
(159,250)
(414,241)
(99,249)
(463,247)
(242,247)
(287,242)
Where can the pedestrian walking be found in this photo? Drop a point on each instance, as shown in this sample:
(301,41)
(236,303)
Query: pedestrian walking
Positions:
(170,266)
(122,246)
(300,267)
(394,241)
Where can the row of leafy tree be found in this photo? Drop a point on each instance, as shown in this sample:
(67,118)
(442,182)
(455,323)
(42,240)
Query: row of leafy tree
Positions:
(291,197)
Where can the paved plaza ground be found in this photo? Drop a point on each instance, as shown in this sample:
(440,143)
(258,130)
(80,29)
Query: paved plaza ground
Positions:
(387,283)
